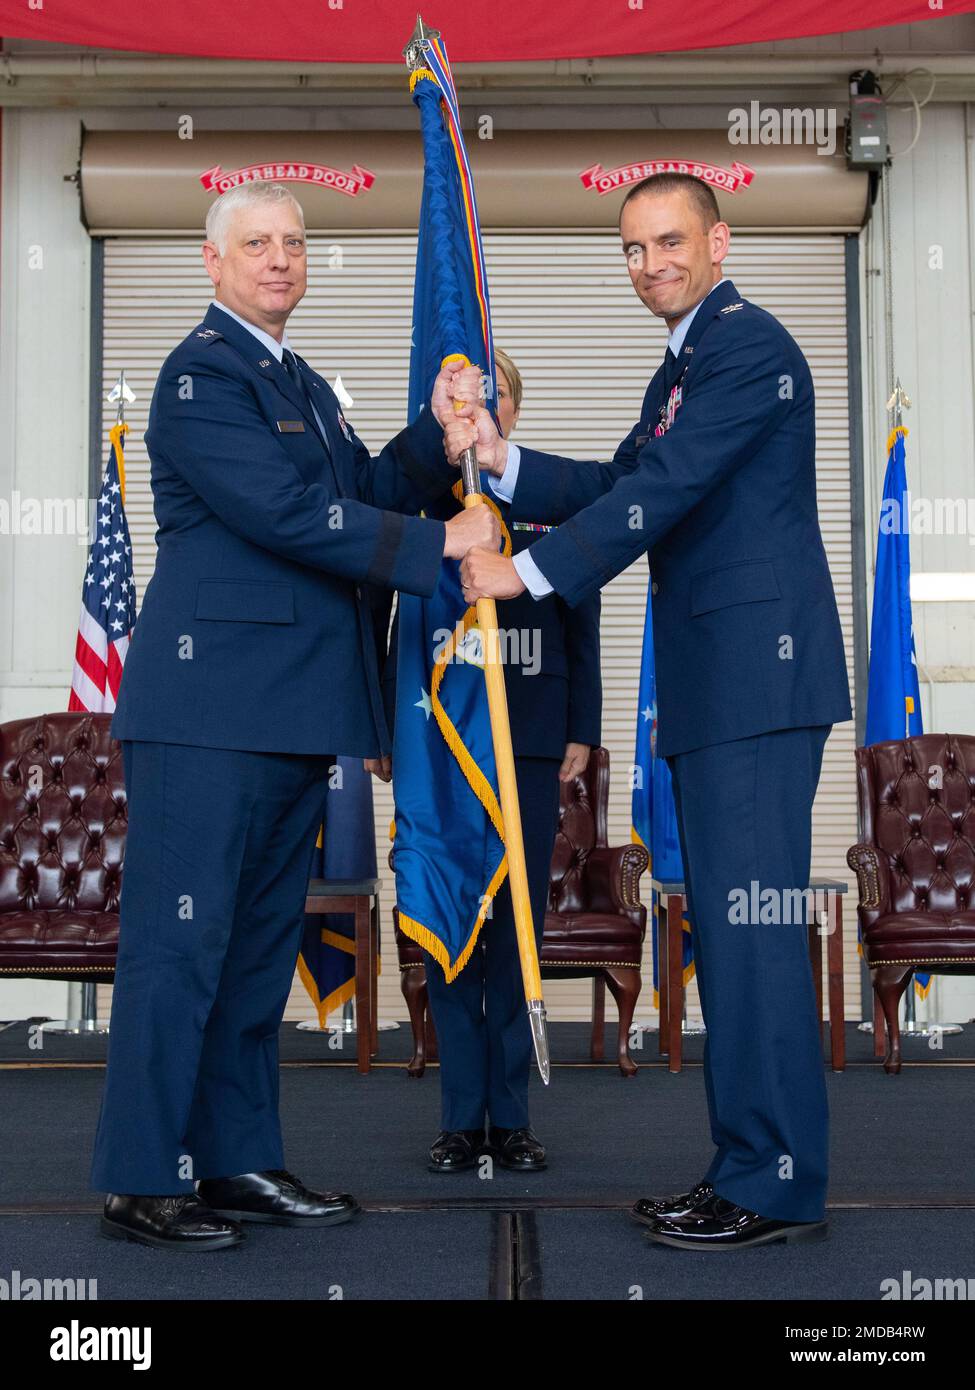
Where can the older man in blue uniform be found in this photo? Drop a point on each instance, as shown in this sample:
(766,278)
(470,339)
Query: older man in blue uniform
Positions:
(717,484)
(252,664)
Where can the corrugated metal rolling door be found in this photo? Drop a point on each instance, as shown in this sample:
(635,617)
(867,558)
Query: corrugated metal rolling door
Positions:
(563,307)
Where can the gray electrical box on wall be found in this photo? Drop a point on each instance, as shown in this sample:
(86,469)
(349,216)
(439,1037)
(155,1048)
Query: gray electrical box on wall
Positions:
(867,129)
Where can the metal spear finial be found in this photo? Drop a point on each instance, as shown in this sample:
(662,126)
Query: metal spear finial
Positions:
(898,399)
(120,395)
(415,49)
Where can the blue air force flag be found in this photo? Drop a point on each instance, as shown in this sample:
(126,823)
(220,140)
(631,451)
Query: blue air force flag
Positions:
(893,693)
(448,850)
(346,849)
(653,812)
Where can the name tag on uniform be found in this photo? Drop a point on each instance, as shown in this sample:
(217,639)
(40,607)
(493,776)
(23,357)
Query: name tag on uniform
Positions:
(291,426)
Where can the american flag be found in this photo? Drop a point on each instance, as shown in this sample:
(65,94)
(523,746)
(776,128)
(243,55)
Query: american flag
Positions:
(108,595)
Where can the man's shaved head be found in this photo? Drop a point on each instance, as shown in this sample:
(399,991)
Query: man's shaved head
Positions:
(700,194)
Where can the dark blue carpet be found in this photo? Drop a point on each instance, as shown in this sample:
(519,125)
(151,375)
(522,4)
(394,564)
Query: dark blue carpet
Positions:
(894,1139)
(402,1256)
(603,1255)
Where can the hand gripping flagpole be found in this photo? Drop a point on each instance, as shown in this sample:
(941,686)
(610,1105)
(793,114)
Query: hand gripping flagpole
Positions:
(487,619)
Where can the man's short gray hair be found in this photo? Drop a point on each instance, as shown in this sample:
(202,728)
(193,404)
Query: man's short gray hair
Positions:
(223,209)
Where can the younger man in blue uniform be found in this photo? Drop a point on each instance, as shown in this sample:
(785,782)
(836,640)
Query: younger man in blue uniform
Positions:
(717,484)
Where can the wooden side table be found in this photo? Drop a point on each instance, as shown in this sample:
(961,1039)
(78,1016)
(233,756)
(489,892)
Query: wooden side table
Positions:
(358,898)
(670,972)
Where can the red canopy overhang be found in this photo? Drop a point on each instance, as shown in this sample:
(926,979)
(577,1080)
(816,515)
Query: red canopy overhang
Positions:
(502,31)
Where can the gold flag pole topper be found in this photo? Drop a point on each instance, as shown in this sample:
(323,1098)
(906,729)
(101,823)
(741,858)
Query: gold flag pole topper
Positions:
(487,621)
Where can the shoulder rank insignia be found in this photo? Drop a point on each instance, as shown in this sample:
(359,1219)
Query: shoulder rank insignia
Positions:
(209,333)
(730,308)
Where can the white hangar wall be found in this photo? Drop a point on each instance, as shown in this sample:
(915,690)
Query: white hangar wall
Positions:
(45,405)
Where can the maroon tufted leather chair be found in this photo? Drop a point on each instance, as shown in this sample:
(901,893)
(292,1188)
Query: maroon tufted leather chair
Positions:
(594,925)
(915,864)
(63,818)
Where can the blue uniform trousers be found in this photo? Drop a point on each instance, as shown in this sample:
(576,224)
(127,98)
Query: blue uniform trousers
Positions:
(218,854)
(744,815)
(483,1032)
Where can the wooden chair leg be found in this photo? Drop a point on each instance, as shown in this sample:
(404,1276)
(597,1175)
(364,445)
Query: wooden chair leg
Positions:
(374,930)
(890,981)
(596,1042)
(414,986)
(879,1026)
(675,980)
(663,981)
(624,985)
(834,968)
(363,984)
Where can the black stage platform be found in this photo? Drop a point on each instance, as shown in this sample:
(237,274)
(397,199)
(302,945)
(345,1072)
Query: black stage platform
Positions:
(902,1194)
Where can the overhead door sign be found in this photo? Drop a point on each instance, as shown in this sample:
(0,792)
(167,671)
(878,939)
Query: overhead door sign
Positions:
(609,180)
(349,182)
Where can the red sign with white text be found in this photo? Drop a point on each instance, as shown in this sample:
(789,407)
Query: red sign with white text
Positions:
(350,183)
(608,181)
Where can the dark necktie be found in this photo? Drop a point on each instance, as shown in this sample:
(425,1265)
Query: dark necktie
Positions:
(290,364)
(671,371)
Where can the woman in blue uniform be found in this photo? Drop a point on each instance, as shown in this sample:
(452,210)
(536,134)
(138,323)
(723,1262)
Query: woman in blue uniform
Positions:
(554,701)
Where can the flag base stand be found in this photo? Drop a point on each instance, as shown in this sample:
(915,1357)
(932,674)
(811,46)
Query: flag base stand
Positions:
(347,1023)
(87,1024)
(919,1030)
(74,1027)
(384,1025)
(929,1029)
(687,1030)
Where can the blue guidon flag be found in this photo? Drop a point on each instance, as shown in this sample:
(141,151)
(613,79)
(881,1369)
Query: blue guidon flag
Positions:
(893,691)
(345,849)
(449,851)
(652,808)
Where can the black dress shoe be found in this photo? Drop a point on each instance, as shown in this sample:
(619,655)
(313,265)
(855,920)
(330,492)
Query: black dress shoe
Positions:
(171,1223)
(518,1149)
(718,1224)
(649,1210)
(455,1149)
(277,1198)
